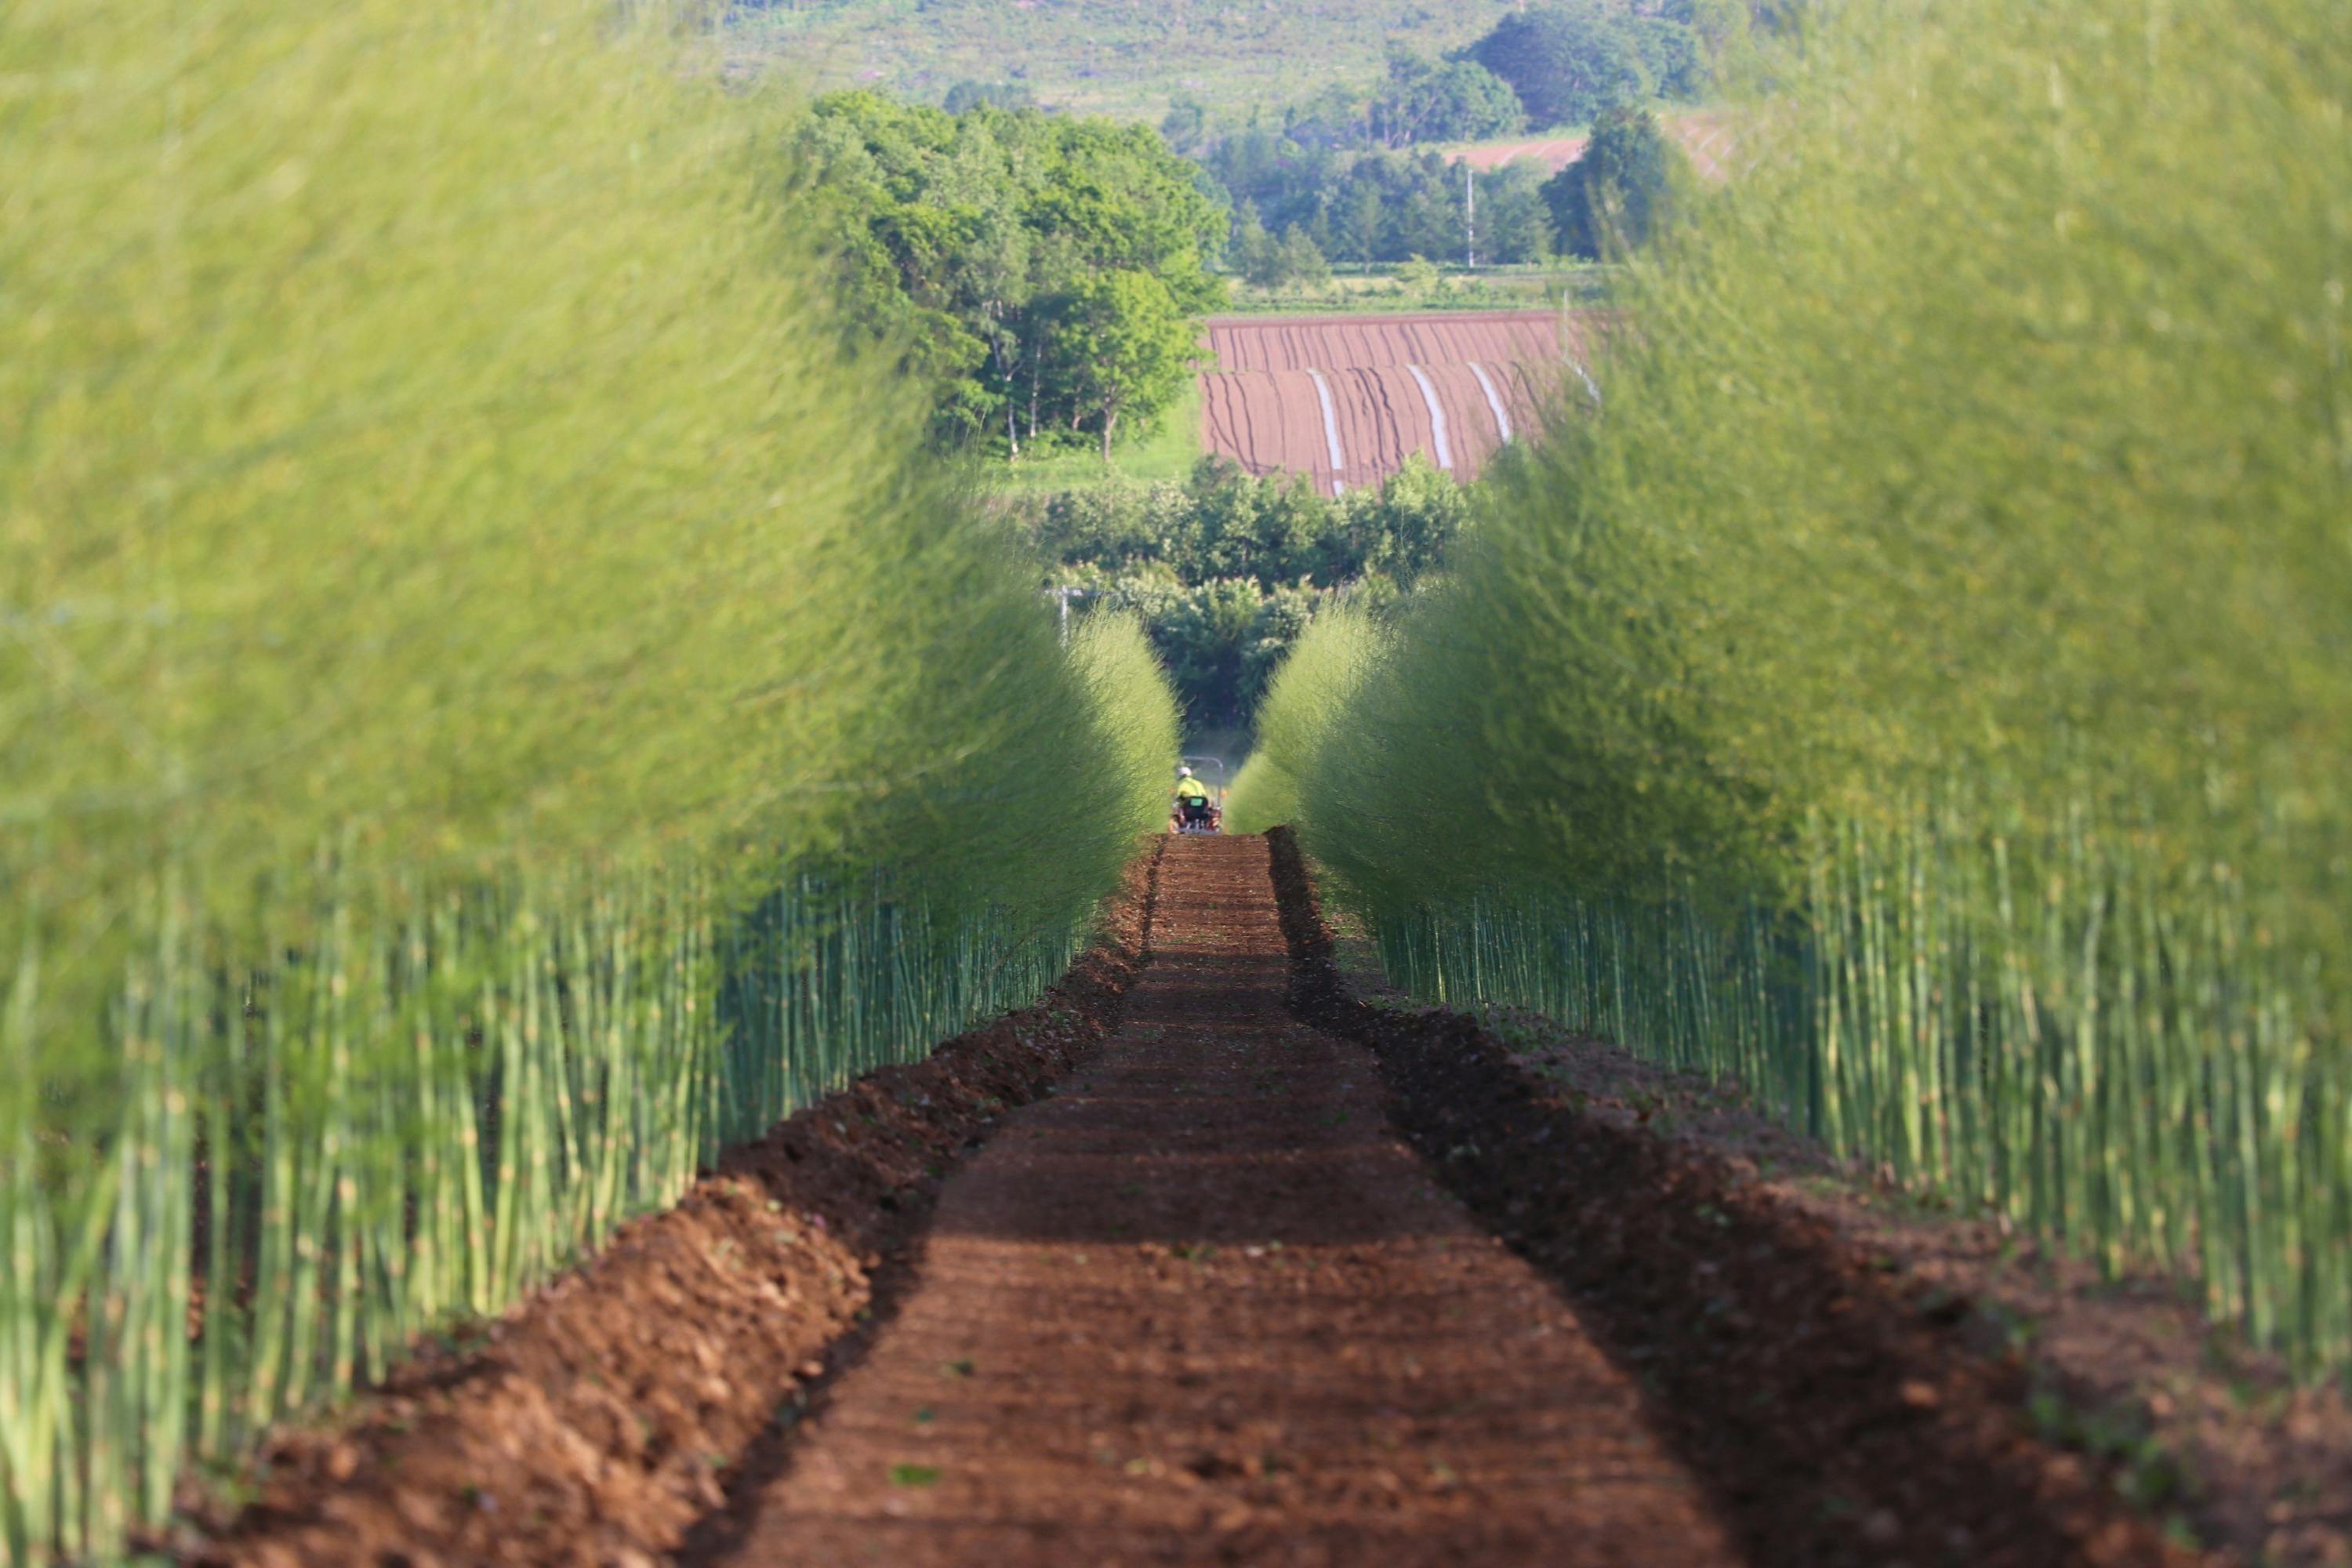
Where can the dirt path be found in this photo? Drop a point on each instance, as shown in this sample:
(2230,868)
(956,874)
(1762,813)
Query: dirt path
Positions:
(1203,1306)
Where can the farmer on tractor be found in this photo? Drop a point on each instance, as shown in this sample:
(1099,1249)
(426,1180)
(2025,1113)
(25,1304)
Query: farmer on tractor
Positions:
(1193,807)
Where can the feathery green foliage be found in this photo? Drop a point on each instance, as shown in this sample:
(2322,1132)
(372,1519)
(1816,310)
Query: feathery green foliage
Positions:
(485,696)
(1315,685)
(1225,570)
(1613,197)
(1922,687)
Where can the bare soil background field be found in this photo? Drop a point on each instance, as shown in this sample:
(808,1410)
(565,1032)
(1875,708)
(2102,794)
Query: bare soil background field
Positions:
(1708,137)
(1346,400)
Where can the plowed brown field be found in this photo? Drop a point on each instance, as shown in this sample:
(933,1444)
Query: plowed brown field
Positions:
(1708,137)
(1346,400)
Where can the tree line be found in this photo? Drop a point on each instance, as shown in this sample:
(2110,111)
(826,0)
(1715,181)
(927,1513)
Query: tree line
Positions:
(1298,207)
(1227,571)
(1047,274)
(1350,176)
(1554,66)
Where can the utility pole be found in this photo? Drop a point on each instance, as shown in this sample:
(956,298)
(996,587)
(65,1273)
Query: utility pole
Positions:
(1470,208)
(1065,594)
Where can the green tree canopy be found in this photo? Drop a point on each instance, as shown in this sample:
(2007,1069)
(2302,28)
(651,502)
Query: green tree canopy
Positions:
(1293,261)
(1611,199)
(1569,62)
(985,248)
(1225,570)
(1379,207)
(967,96)
(1451,100)
(1120,345)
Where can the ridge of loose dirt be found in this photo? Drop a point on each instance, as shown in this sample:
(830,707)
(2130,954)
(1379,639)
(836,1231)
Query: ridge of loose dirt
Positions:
(591,1424)
(1204,1306)
(2185,1420)
(1836,1418)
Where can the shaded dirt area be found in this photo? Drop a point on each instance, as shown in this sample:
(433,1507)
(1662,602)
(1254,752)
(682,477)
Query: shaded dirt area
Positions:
(2180,1416)
(1206,1306)
(596,1422)
(1837,1414)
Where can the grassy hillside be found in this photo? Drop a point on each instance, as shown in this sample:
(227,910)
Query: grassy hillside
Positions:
(1115,57)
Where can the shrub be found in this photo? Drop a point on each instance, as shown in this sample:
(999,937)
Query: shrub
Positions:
(1923,689)
(469,632)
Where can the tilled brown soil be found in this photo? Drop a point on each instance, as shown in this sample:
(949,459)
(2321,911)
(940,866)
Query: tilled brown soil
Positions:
(1263,407)
(1836,1416)
(2218,1440)
(1207,1304)
(596,1423)
(1204,1306)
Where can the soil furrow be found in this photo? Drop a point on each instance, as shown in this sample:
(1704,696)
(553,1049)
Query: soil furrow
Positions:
(1837,1417)
(1269,370)
(592,1426)
(1204,1306)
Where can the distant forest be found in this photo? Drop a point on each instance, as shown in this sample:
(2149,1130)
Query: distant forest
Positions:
(1352,172)
(1047,272)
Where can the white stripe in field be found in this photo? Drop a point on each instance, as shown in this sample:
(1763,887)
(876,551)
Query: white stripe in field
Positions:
(1436,419)
(1331,430)
(1494,401)
(1586,376)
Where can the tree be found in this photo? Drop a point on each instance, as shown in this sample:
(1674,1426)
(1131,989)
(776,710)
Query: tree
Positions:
(1615,197)
(1428,218)
(964,239)
(1418,277)
(1724,29)
(1514,223)
(966,96)
(1123,346)
(1355,224)
(1457,100)
(1674,55)
(1256,254)
(1186,126)
(1303,265)
(1265,262)
(1337,118)
(1566,62)
(1227,570)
